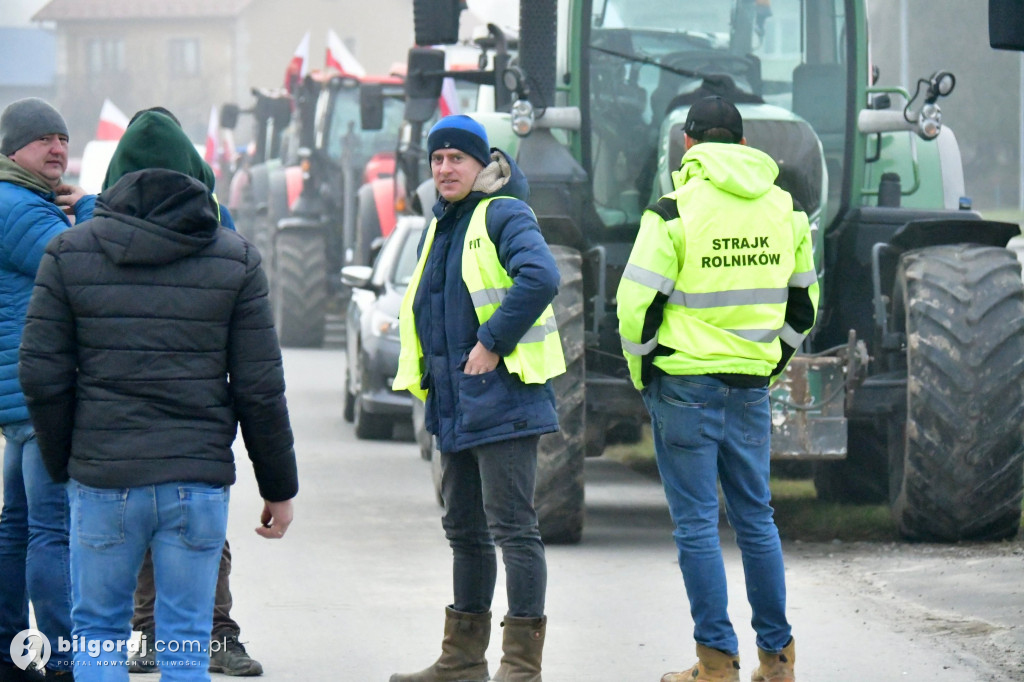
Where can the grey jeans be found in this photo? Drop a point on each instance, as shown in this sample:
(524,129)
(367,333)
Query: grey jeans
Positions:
(488,500)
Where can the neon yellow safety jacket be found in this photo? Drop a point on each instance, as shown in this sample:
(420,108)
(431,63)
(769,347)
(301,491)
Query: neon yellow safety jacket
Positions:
(721,278)
(537,356)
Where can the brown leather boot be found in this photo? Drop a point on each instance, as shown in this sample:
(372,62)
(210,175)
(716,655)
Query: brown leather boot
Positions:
(466,636)
(522,644)
(712,666)
(776,667)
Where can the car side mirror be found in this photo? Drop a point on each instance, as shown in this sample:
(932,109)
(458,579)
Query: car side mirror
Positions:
(229,116)
(357,276)
(371,106)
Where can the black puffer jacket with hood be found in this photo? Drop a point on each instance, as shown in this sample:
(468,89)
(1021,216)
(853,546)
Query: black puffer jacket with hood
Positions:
(149,337)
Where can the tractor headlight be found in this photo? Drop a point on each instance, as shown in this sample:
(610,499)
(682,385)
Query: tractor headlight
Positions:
(522,117)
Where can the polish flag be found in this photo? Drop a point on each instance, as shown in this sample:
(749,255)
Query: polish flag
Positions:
(339,57)
(212,134)
(112,123)
(448,102)
(298,67)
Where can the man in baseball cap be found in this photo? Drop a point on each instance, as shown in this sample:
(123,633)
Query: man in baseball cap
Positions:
(33,207)
(708,354)
(714,119)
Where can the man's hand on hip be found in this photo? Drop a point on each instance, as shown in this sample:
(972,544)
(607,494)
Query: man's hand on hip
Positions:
(481,360)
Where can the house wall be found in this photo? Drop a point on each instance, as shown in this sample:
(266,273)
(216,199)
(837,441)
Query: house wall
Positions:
(146,79)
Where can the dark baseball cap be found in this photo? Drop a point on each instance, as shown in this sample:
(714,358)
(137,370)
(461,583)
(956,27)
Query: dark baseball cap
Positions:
(713,112)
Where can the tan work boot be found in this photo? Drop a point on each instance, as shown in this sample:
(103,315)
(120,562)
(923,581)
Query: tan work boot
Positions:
(466,636)
(776,667)
(522,644)
(712,666)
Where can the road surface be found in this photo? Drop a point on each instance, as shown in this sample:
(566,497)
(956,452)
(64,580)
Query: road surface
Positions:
(357,589)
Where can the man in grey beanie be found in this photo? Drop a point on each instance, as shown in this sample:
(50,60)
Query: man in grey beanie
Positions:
(34,559)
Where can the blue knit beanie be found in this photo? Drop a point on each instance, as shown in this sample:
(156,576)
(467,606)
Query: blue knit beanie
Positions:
(460,132)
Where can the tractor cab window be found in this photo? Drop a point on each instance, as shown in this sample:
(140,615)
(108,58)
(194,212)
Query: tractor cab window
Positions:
(345,137)
(782,62)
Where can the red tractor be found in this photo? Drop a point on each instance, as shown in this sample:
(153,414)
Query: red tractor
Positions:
(294,195)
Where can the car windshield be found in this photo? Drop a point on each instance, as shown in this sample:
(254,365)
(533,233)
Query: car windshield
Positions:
(406,261)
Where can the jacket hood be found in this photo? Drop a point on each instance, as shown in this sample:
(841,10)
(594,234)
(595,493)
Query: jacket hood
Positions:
(500,177)
(155,140)
(16,175)
(733,168)
(154,217)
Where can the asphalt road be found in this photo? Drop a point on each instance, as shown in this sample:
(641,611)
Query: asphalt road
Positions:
(357,589)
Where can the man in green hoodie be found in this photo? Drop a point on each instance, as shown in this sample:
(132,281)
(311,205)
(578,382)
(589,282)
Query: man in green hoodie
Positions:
(148,343)
(719,292)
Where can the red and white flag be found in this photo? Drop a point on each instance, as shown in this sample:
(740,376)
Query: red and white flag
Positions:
(212,137)
(298,67)
(448,102)
(340,58)
(112,123)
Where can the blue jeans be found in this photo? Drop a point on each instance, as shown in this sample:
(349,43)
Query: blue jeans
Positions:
(184,525)
(488,499)
(705,430)
(33,546)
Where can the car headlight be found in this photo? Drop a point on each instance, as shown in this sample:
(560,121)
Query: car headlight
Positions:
(382,324)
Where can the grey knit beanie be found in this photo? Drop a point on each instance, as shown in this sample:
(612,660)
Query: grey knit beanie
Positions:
(27,120)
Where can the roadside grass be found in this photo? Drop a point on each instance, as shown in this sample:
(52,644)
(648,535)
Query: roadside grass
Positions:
(799,514)
(1006,215)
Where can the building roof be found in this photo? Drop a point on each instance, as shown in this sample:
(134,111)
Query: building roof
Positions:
(87,10)
(29,57)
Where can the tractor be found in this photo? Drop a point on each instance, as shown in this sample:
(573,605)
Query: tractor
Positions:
(295,195)
(909,389)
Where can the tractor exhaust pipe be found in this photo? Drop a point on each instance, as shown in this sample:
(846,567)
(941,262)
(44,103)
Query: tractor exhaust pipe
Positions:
(538,28)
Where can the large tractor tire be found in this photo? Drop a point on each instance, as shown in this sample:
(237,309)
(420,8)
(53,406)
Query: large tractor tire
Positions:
(961,476)
(273,206)
(559,496)
(299,288)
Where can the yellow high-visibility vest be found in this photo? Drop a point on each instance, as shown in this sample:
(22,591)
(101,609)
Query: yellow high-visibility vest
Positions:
(726,287)
(537,356)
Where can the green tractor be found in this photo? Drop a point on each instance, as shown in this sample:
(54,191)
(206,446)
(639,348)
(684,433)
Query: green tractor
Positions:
(910,388)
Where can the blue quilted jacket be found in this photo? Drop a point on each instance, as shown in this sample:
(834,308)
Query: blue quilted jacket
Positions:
(28,220)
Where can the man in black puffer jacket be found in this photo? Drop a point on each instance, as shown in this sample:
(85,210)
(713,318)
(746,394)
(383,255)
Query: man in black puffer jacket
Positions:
(149,340)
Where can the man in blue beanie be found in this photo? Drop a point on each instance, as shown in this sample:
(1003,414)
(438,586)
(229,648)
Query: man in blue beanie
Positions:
(34,558)
(479,346)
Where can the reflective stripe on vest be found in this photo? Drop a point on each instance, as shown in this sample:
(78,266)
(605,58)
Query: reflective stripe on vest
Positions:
(537,356)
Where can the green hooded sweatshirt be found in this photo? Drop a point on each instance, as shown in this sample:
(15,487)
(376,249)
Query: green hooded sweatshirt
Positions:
(154,140)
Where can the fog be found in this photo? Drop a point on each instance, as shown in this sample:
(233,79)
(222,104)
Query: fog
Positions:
(910,40)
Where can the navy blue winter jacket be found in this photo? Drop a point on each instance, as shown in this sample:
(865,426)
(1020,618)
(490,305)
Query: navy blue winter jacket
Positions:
(447,325)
